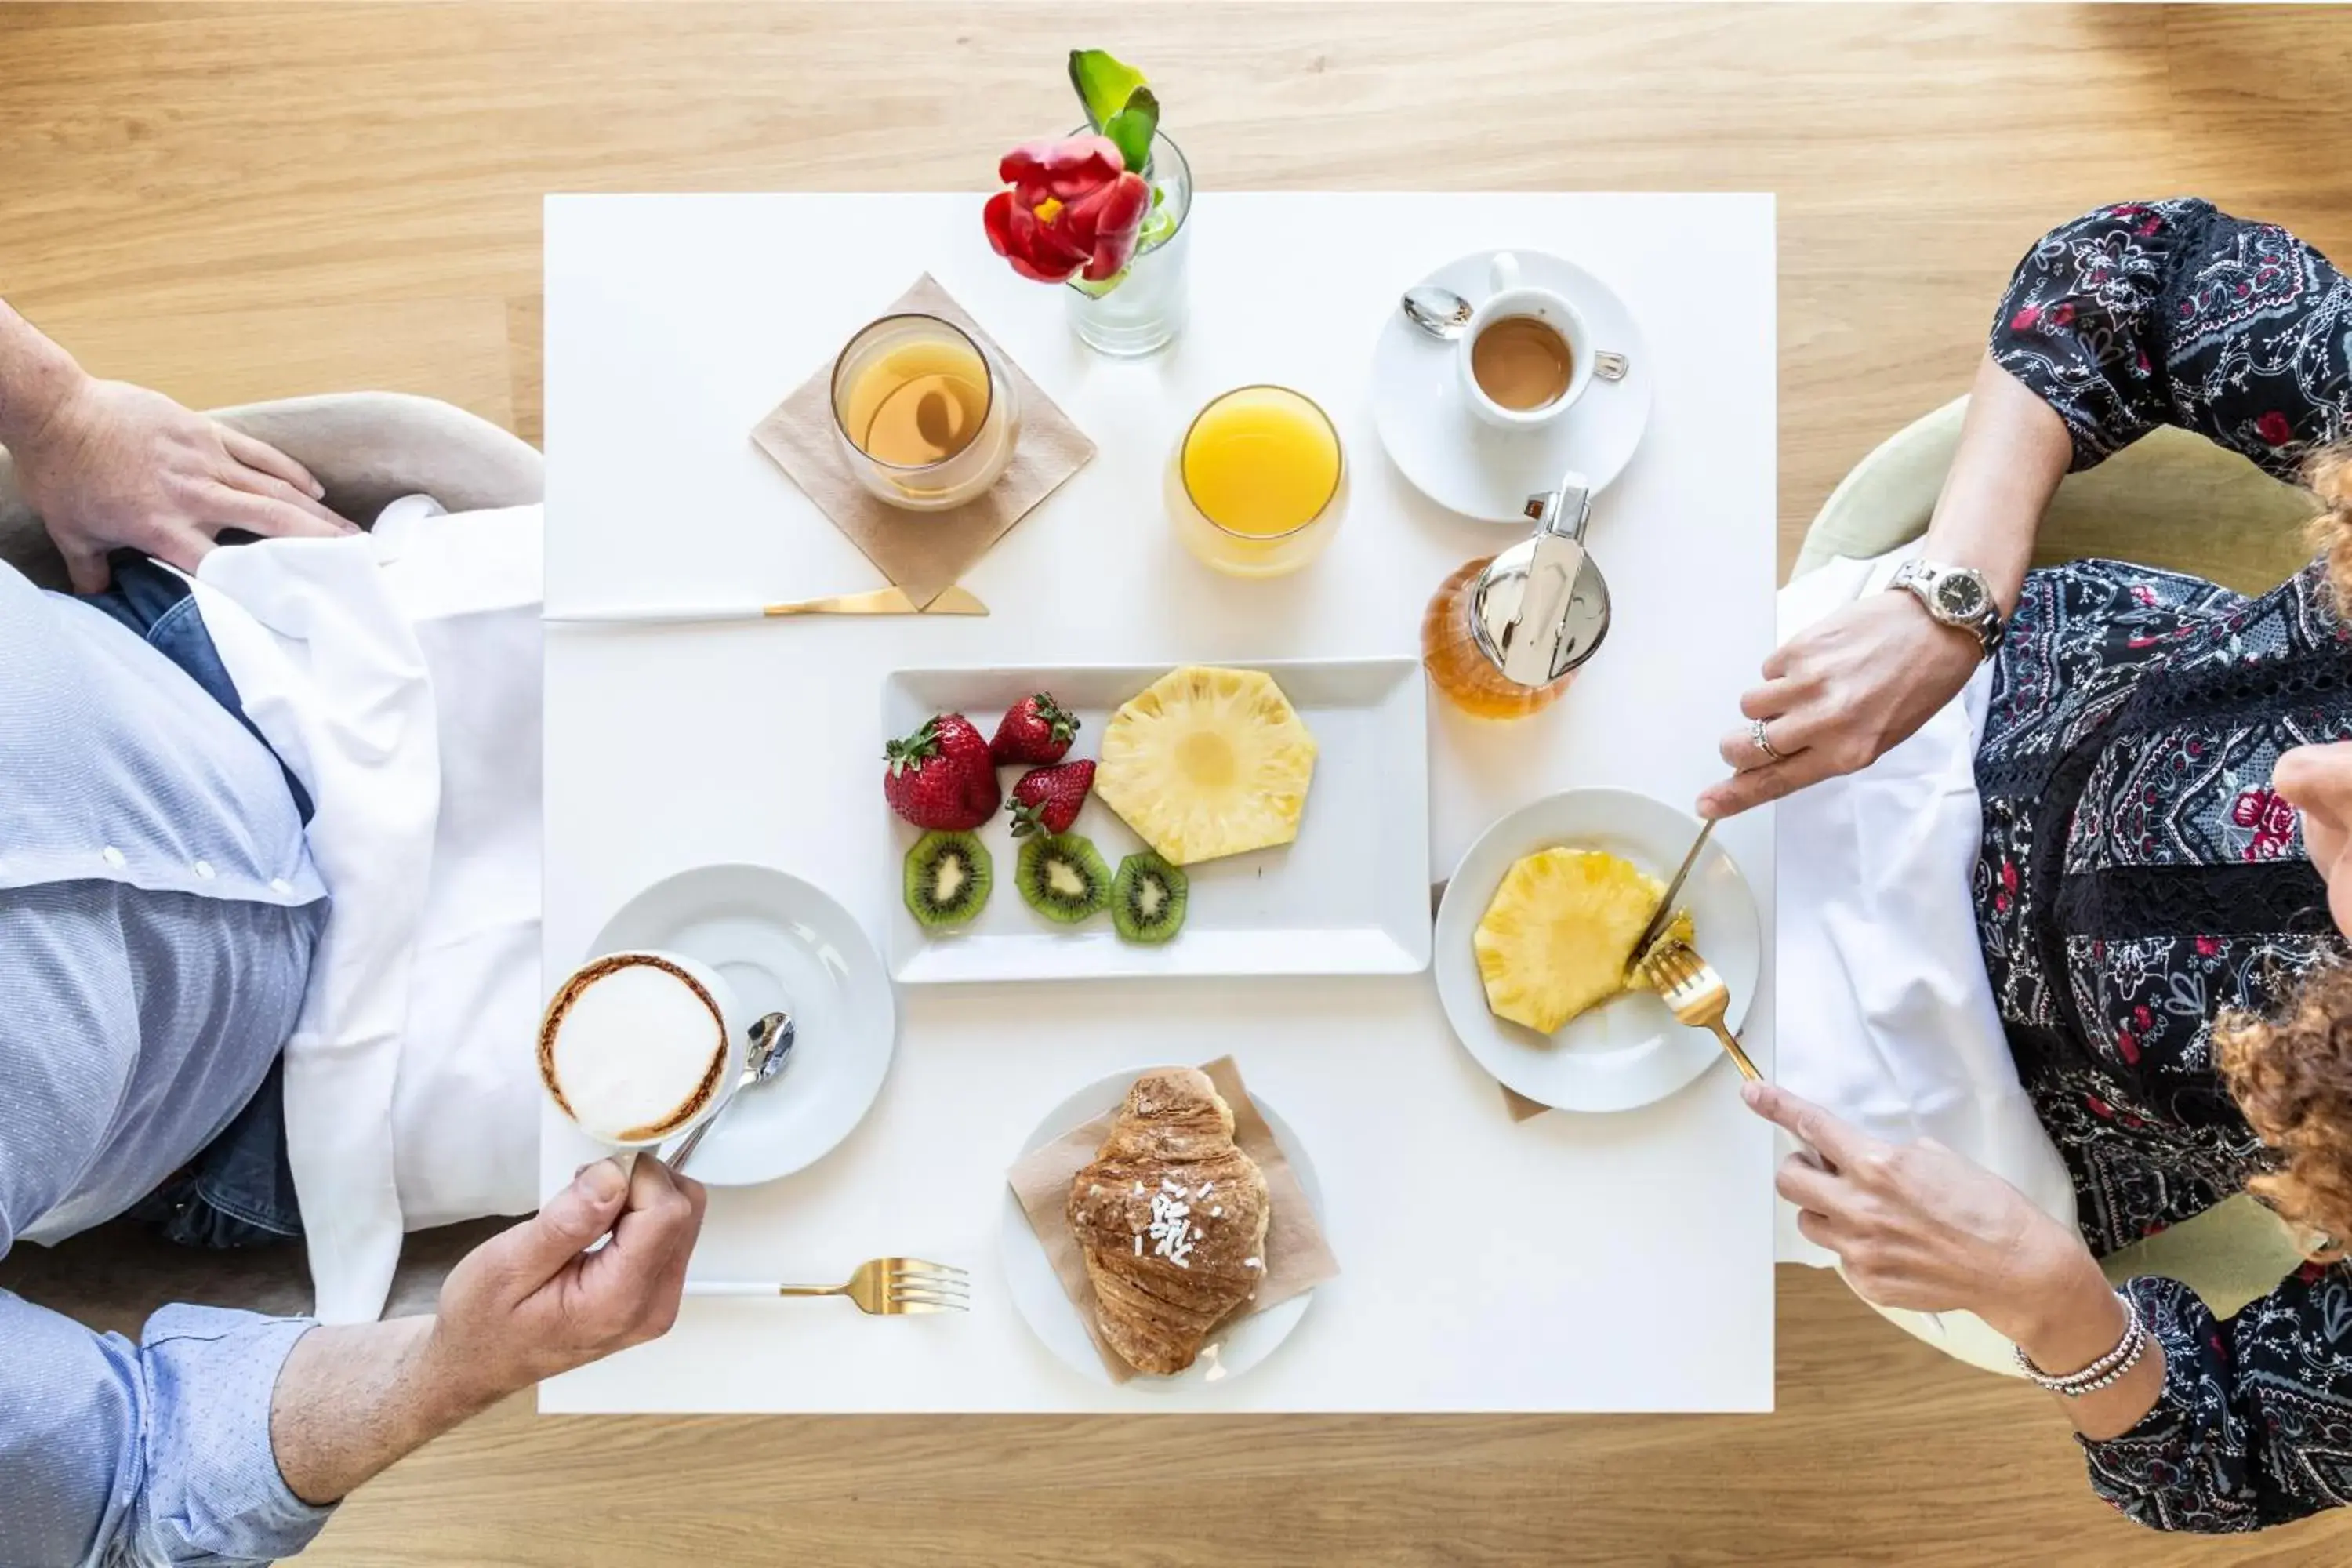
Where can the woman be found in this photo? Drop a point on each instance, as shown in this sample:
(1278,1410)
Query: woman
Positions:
(2164,887)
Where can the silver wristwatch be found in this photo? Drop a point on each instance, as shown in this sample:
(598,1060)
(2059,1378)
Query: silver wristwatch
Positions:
(1957,596)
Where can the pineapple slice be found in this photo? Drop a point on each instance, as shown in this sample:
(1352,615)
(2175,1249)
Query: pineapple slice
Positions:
(1206,763)
(1555,939)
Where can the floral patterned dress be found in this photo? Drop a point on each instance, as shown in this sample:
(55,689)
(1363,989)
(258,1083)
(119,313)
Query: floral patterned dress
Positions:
(2137,875)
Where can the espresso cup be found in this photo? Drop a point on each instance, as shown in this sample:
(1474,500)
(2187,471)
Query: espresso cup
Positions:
(1510,300)
(636,1073)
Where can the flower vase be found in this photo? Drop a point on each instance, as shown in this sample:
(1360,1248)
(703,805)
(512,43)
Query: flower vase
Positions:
(1143,308)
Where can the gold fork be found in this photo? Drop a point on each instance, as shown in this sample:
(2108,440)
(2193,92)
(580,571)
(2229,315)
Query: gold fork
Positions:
(1695,994)
(889,1287)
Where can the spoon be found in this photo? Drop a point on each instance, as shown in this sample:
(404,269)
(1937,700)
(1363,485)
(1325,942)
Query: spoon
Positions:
(1440,313)
(771,1047)
(1446,316)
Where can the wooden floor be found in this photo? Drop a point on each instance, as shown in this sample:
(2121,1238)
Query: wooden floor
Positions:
(257,200)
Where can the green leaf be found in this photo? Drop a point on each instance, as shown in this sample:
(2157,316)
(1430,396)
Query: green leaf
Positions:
(1104,85)
(1131,129)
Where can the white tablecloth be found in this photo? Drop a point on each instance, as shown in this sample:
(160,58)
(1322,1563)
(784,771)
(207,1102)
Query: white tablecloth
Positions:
(1617,1262)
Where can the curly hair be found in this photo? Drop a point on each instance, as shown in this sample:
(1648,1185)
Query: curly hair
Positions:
(2292,1074)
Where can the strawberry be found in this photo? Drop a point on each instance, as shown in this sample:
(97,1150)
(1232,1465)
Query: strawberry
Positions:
(941,778)
(1049,799)
(1035,730)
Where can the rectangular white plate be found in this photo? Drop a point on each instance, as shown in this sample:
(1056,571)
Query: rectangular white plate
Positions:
(1350,897)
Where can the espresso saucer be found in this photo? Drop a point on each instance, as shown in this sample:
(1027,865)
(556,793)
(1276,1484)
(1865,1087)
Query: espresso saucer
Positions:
(782,945)
(1468,466)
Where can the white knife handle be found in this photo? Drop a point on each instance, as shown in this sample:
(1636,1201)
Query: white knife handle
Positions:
(673,614)
(732,1288)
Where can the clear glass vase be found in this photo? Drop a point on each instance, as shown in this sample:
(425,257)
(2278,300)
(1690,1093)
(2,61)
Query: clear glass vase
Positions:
(1140,310)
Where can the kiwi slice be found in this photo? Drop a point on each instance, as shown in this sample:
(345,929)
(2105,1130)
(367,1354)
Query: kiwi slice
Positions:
(948,878)
(1064,877)
(1147,898)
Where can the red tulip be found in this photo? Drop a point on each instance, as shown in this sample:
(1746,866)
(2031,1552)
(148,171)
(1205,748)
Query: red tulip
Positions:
(1072,207)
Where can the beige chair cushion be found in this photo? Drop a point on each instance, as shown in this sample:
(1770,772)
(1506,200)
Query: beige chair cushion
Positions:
(367,448)
(2171,499)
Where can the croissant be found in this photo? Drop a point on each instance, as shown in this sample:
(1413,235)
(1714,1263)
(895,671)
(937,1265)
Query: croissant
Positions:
(1171,1216)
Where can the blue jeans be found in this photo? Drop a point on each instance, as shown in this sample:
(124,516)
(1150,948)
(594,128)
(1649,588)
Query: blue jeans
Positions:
(239,1190)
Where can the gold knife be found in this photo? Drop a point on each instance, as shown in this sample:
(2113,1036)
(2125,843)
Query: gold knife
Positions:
(955,601)
(1664,915)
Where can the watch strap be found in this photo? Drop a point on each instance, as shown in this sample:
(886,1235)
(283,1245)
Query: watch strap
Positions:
(1919,578)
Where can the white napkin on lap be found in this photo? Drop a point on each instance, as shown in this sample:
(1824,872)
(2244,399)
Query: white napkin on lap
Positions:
(1886,1017)
(398,674)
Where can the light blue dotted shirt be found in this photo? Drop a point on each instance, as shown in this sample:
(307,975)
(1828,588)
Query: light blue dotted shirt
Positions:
(157,914)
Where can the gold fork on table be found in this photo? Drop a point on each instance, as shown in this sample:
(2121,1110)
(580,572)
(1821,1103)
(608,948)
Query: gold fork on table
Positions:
(1696,995)
(887,1287)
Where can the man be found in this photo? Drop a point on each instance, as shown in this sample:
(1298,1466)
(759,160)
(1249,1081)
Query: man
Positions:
(158,915)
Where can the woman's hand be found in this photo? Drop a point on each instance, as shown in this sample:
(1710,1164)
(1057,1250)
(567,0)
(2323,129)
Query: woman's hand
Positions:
(1916,1225)
(114,466)
(1838,696)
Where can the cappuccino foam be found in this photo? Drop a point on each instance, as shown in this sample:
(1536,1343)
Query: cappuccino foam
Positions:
(632,1048)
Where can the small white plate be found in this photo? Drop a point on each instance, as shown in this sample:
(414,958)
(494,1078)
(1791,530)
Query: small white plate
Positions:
(1630,1051)
(785,945)
(1468,466)
(1328,903)
(1046,1306)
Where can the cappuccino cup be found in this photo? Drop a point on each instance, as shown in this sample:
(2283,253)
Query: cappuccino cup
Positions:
(639,1047)
(1526,356)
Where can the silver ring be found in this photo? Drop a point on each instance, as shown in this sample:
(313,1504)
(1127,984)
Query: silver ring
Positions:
(1763,742)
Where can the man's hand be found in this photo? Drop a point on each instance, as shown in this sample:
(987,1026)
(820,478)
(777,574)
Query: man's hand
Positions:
(112,465)
(526,1304)
(532,1301)
(1840,694)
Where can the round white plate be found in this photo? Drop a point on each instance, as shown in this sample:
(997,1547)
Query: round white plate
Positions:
(1630,1051)
(1468,466)
(784,944)
(1037,1289)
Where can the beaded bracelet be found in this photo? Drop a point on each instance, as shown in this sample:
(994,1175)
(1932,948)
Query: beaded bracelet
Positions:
(2103,1372)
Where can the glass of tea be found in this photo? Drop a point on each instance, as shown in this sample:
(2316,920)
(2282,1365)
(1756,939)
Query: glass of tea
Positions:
(1254,486)
(927,418)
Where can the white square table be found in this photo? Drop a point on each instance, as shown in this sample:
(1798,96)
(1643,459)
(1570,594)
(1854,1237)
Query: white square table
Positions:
(1570,1263)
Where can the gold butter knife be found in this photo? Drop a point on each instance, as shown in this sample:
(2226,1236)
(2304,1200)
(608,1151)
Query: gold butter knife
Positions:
(893,601)
(1664,915)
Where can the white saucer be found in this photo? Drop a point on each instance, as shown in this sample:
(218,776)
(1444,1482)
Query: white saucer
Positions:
(782,944)
(1046,1306)
(1466,465)
(1630,1051)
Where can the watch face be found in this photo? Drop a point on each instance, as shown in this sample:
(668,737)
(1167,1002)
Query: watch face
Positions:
(1960,597)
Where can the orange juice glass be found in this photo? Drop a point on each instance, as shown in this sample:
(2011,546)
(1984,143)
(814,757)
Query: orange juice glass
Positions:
(1255,484)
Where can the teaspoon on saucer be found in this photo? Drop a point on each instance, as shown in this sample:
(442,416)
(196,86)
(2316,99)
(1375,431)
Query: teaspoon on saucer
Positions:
(1445,315)
(771,1047)
(1440,313)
